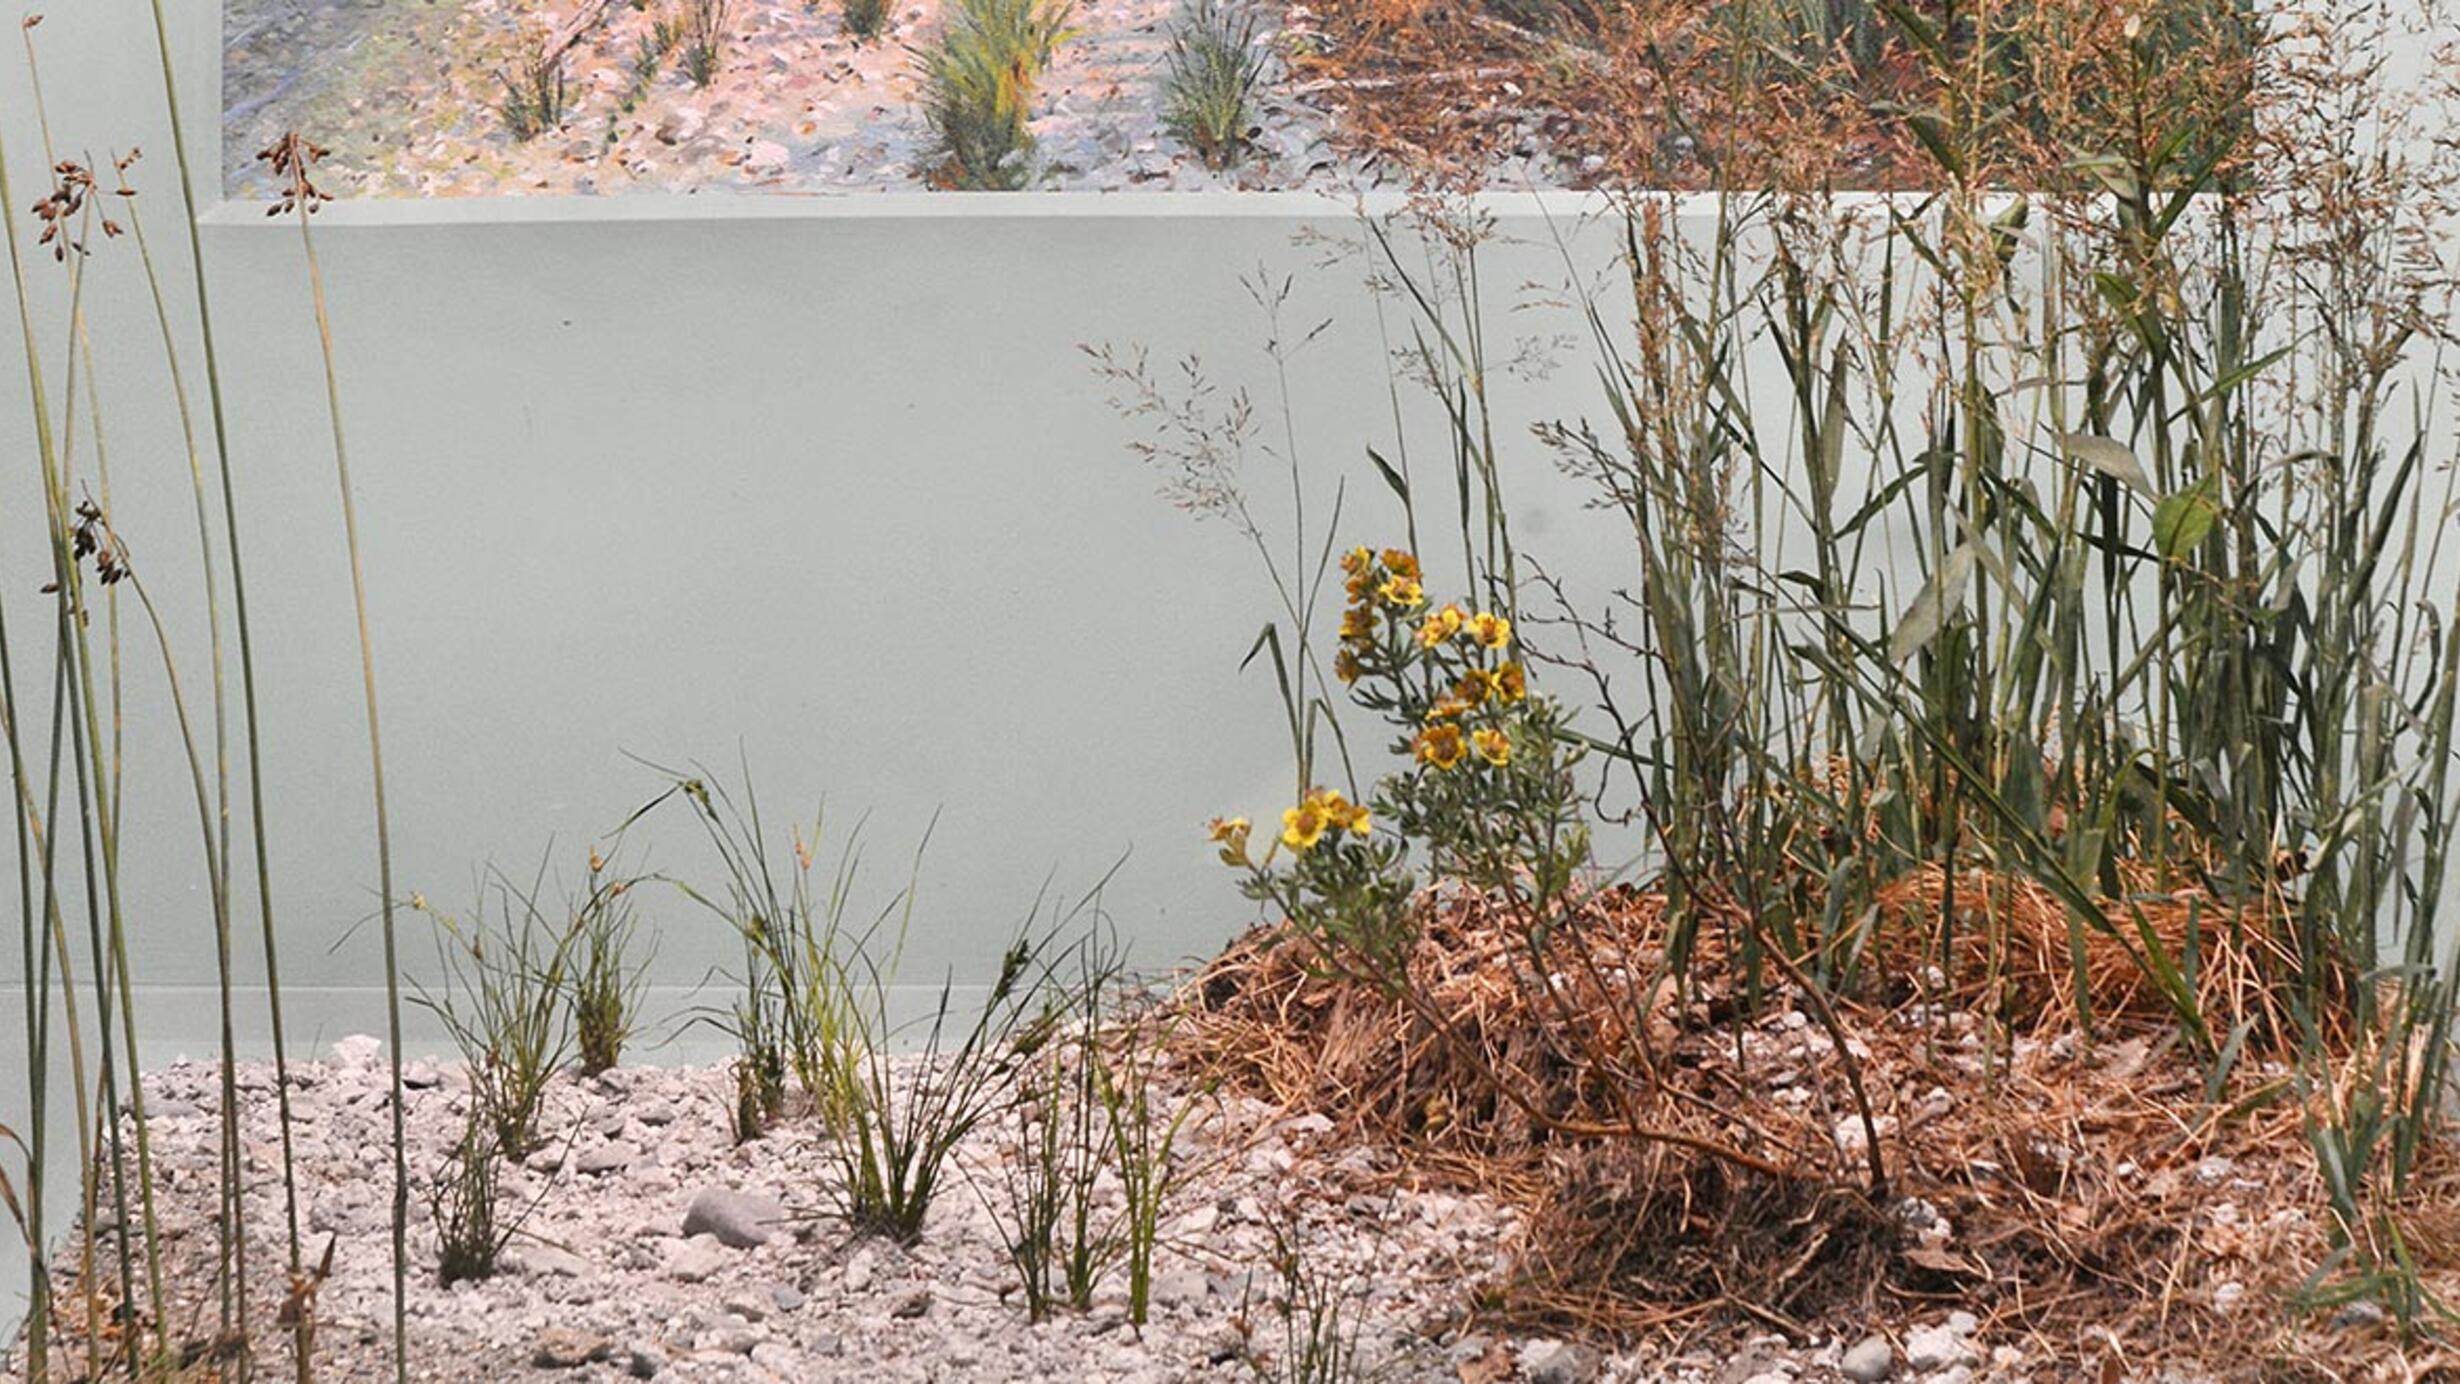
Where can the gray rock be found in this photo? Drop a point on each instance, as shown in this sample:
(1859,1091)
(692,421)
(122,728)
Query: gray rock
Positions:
(421,1076)
(1558,1362)
(696,1259)
(859,1272)
(1870,1361)
(750,1306)
(2357,1316)
(1180,1287)
(655,1112)
(562,1348)
(644,1360)
(1938,1348)
(786,1297)
(911,1303)
(546,1260)
(609,1157)
(739,1220)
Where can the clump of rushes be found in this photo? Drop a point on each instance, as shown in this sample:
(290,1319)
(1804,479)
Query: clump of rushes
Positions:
(536,98)
(607,982)
(1209,80)
(1055,1229)
(1142,1137)
(978,89)
(503,1002)
(704,39)
(463,1202)
(1319,1338)
(863,18)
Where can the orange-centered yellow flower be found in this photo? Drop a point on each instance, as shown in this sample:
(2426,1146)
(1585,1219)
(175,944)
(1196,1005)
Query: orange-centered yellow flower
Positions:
(1511,683)
(1232,832)
(1493,746)
(1441,746)
(1440,626)
(1340,812)
(1492,631)
(1475,687)
(1346,667)
(1302,826)
(1402,563)
(1402,591)
(1447,709)
(1356,560)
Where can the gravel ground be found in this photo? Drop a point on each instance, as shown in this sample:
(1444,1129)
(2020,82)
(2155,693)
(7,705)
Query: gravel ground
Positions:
(406,94)
(605,1283)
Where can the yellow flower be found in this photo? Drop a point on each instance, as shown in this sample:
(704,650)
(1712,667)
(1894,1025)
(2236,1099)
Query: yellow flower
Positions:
(1493,746)
(1510,683)
(1340,812)
(1345,667)
(1441,746)
(1356,560)
(1475,687)
(1493,631)
(1358,586)
(1302,826)
(1402,563)
(1440,626)
(1446,709)
(1402,591)
(1358,625)
(1232,832)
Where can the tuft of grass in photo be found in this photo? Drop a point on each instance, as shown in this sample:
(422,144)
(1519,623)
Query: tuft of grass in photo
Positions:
(978,79)
(649,53)
(504,997)
(610,974)
(536,99)
(865,19)
(1209,79)
(704,39)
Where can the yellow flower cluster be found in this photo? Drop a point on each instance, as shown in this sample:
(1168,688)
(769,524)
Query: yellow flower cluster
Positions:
(1394,577)
(1321,811)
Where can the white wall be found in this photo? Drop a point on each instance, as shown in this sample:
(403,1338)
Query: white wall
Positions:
(828,483)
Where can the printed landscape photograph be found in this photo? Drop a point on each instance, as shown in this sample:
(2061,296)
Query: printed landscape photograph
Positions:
(425,98)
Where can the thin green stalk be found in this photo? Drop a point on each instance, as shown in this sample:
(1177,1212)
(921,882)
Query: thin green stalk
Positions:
(247,681)
(306,200)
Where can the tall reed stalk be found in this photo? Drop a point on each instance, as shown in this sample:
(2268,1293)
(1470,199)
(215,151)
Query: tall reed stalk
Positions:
(293,159)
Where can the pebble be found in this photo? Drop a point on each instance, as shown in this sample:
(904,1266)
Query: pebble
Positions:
(564,1348)
(1871,1360)
(739,1220)
(609,1157)
(1558,1362)
(695,1260)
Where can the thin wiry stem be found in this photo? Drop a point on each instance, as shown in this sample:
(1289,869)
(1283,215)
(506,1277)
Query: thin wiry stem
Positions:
(247,672)
(375,755)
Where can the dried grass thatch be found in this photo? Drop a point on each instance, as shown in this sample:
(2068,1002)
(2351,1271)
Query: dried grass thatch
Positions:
(1692,1156)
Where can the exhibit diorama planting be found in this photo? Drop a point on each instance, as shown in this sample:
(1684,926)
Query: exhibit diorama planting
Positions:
(2029,675)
